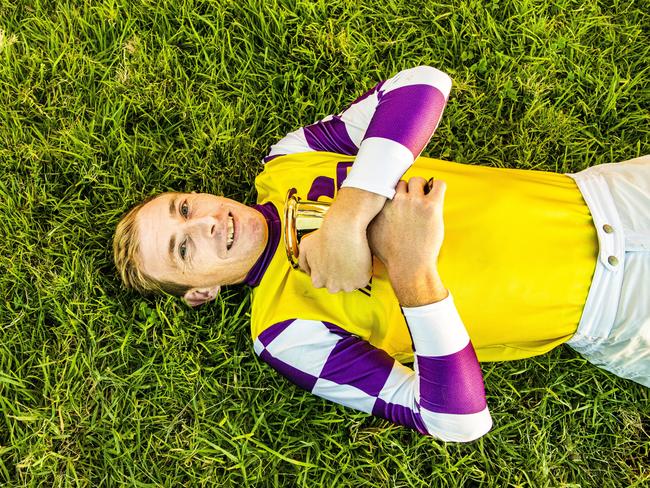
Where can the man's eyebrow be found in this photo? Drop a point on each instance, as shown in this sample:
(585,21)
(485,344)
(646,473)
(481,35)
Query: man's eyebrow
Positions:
(172,207)
(172,246)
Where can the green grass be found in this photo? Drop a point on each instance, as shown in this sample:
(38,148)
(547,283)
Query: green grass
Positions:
(102,104)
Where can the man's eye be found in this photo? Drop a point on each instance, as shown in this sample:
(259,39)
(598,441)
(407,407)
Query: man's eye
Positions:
(185,209)
(182,249)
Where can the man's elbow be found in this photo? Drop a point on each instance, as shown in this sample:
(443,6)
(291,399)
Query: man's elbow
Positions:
(467,434)
(432,76)
(458,428)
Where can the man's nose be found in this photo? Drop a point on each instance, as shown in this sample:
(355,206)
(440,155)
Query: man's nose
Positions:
(208,225)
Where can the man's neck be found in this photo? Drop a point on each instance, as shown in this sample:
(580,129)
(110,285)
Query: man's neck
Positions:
(270,214)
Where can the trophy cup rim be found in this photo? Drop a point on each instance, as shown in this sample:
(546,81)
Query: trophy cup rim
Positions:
(290,235)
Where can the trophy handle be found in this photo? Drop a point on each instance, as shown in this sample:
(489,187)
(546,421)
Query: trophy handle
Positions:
(289,231)
(301,218)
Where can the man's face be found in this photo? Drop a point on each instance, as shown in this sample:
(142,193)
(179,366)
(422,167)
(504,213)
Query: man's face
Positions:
(198,239)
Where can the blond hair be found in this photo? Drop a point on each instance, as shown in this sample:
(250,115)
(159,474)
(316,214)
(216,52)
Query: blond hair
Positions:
(126,255)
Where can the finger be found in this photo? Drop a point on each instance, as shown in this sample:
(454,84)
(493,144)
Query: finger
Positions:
(304,254)
(316,281)
(366,279)
(416,185)
(438,190)
(302,260)
(401,187)
(333,288)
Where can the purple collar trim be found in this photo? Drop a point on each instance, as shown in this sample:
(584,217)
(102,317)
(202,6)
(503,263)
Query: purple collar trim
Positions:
(272,217)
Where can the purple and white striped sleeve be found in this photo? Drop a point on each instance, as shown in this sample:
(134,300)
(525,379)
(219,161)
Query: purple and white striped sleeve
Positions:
(444,396)
(386,128)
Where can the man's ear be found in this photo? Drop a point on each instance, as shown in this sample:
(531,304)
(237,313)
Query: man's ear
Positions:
(198,296)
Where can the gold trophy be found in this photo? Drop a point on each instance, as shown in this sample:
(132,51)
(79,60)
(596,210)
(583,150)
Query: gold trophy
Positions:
(301,217)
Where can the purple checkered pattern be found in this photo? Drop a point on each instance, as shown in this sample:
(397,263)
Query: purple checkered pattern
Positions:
(444,396)
(386,128)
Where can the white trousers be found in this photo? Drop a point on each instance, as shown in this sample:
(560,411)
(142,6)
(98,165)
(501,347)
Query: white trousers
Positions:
(622,345)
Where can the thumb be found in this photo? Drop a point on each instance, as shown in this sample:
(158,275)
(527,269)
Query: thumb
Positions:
(303,252)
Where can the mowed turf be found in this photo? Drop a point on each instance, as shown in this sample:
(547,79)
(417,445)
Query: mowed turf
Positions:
(105,103)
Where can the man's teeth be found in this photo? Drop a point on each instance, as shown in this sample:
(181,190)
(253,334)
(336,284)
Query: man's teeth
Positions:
(231,232)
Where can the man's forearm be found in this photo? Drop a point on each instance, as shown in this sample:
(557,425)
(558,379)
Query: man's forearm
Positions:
(417,289)
(356,207)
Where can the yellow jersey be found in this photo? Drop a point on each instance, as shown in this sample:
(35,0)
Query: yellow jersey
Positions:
(519,253)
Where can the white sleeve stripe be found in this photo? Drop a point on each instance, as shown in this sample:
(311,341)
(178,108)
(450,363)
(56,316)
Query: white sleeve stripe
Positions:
(344,394)
(379,165)
(357,117)
(293,143)
(401,387)
(437,329)
(304,345)
(420,75)
(457,428)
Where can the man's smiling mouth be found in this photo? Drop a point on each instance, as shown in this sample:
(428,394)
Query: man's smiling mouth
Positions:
(231,232)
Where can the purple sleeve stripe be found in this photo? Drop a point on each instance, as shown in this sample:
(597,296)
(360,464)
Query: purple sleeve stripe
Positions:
(355,362)
(267,336)
(335,329)
(408,115)
(453,383)
(400,415)
(372,91)
(300,378)
(266,159)
(330,135)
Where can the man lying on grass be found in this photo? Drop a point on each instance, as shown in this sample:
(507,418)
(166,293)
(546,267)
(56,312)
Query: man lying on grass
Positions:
(534,259)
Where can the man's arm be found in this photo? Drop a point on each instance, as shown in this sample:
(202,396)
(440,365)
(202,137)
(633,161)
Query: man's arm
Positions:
(386,128)
(444,396)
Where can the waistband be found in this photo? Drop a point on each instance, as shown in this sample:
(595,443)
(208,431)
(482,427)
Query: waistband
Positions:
(601,306)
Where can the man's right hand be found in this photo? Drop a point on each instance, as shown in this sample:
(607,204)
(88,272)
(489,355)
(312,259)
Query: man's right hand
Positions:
(407,236)
(337,255)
